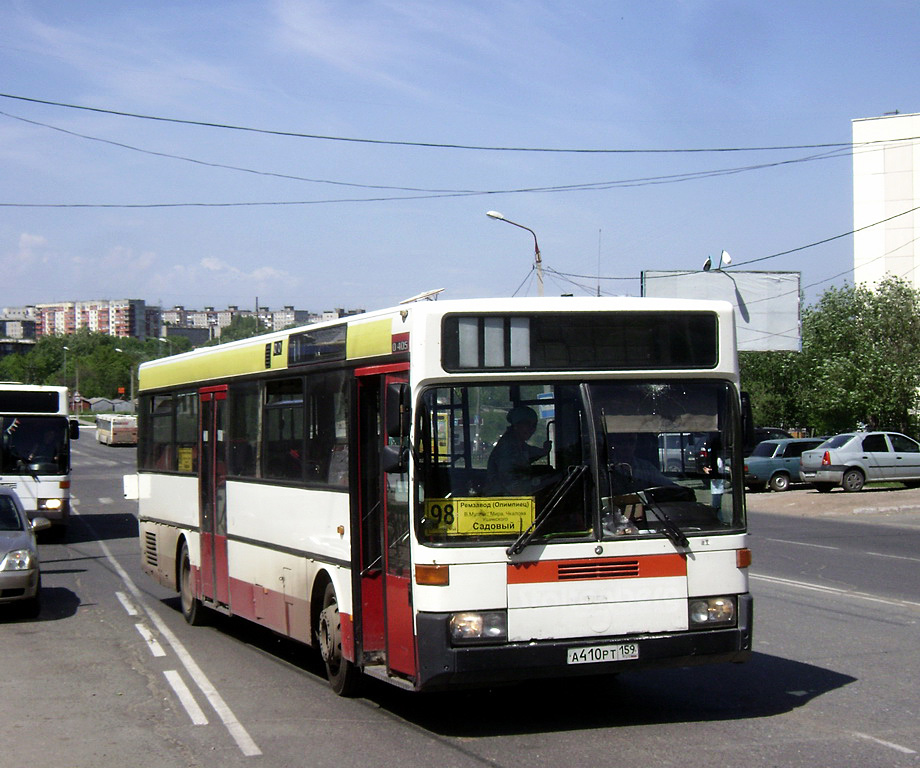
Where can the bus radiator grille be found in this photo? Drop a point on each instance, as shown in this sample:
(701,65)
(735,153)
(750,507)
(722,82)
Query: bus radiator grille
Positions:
(616,569)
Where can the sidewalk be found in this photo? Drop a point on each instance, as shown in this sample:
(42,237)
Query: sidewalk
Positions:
(877,501)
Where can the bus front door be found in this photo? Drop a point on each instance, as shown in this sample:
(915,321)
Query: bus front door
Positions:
(385,580)
(212,483)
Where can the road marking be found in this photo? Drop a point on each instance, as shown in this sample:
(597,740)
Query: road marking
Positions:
(105,500)
(155,648)
(889,744)
(242,738)
(185,697)
(837,591)
(128,605)
(802,544)
(895,557)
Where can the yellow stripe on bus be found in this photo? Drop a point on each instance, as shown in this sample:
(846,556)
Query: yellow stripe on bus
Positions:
(213,364)
(369,339)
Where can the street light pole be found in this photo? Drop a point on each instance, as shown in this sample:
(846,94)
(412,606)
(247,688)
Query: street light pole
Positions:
(536,248)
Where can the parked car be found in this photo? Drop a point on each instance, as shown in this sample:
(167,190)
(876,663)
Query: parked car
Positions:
(20,571)
(775,463)
(853,459)
(699,449)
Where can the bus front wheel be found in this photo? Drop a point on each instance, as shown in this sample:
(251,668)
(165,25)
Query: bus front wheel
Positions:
(192,609)
(342,674)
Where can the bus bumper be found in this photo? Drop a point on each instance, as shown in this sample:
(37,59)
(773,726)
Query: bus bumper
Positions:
(442,666)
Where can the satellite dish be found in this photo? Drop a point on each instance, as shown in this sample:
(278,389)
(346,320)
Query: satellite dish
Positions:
(707,265)
(725,258)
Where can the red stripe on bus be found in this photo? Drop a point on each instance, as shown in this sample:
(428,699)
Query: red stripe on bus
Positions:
(640,567)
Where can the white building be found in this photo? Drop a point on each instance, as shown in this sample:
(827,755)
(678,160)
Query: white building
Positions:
(886,186)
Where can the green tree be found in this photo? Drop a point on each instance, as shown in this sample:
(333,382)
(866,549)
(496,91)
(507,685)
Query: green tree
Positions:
(861,358)
(774,382)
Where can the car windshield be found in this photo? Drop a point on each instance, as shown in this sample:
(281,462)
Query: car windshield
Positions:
(764,449)
(9,515)
(569,461)
(34,445)
(837,441)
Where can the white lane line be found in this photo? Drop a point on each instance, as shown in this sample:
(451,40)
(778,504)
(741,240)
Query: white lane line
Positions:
(895,557)
(242,738)
(889,744)
(105,500)
(837,591)
(128,605)
(185,697)
(155,648)
(802,544)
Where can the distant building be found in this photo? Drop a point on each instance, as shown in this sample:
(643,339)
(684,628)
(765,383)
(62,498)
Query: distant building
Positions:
(122,317)
(886,183)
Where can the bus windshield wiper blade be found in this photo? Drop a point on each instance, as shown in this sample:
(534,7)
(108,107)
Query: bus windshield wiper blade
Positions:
(575,472)
(669,527)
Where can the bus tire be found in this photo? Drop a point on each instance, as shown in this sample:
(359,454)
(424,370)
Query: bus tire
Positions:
(342,674)
(192,609)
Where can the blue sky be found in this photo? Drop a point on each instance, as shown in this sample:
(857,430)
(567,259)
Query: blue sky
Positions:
(322,223)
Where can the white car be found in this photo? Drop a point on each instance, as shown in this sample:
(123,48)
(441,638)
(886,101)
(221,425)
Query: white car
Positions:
(853,459)
(20,570)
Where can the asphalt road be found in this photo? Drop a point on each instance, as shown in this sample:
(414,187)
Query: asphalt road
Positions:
(110,674)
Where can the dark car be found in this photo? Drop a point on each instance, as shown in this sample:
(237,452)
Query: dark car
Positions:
(699,450)
(775,463)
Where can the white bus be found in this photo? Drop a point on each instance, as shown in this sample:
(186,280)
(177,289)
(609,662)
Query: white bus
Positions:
(116,429)
(35,452)
(459,493)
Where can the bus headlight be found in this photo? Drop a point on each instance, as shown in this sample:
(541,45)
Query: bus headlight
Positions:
(471,627)
(712,612)
(50,503)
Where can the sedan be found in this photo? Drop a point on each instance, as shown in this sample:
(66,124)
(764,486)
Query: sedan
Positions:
(775,463)
(853,459)
(20,574)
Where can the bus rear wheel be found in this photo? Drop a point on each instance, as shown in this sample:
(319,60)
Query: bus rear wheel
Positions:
(343,676)
(192,609)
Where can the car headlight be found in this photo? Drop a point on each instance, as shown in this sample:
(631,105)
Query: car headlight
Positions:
(50,503)
(473,627)
(712,612)
(18,560)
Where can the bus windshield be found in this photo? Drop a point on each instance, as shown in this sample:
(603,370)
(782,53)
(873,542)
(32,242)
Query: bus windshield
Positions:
(34,445)
(563,461)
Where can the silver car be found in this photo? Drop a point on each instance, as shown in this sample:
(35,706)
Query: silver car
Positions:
(20,573)
(853,459)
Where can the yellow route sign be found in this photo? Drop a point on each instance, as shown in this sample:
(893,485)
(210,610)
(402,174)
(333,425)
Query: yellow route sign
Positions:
(479,516)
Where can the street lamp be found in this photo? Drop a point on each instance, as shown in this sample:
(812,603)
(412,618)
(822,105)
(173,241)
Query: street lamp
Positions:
(536,248)
(724,258)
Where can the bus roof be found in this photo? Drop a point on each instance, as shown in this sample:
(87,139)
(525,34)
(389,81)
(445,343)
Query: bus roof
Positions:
(374,334)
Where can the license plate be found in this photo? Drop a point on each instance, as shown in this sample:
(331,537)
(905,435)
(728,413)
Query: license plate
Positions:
(596,654)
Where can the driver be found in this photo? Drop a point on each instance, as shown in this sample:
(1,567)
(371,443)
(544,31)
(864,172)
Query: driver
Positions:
(632,472)
(509,472)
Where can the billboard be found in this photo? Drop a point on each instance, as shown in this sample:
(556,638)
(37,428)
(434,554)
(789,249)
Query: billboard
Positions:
(767,304)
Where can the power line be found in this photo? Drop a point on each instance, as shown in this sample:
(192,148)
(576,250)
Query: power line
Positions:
(429,144)
(584,186)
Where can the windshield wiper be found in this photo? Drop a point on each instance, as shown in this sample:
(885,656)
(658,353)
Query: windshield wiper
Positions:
(668,526)
(574,473)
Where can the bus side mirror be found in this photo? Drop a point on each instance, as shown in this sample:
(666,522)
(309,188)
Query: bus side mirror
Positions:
(74,429)
(394,458)
(398,412)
